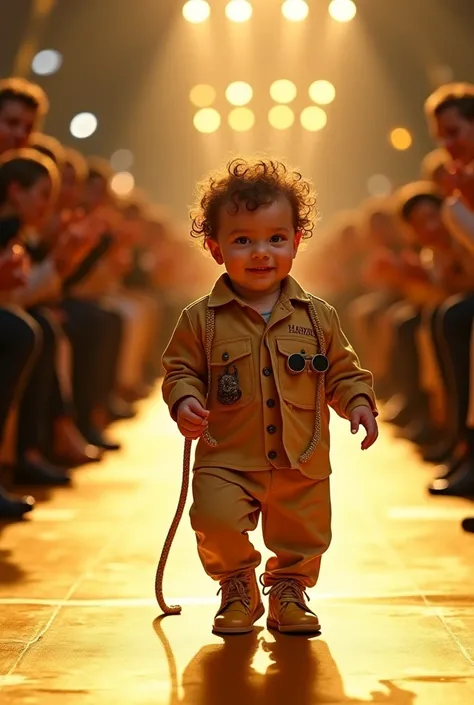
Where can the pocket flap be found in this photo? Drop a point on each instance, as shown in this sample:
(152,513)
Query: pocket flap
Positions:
(229,351)
(289,346)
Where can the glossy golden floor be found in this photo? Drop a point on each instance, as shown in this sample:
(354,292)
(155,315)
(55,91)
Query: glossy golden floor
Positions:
(78,618)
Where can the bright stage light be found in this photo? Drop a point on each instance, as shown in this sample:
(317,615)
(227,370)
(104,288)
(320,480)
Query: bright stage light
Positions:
(238,10)
(283,91)
(313,118)
(342,10)
(281,117)
(122,184)
(239,93)
(401,139)
(83,125)
(241,119)
(202,95)
(295,10)
(196,11)
(207,120)
(322,92)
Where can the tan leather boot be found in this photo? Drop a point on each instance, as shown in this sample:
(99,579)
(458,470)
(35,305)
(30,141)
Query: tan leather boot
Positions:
(288,612)
(241,604)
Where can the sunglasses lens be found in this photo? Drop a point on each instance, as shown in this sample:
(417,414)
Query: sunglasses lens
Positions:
(320,363)
(296,363)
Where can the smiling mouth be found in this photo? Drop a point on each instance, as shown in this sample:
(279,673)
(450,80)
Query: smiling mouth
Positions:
(260,269)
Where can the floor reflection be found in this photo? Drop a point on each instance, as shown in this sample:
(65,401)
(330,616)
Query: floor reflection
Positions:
(268,670)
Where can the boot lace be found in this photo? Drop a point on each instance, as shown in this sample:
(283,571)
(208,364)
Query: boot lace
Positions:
(236,589)
(288,591)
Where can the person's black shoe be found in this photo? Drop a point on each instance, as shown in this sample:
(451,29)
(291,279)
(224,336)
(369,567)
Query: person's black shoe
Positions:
(420,433)
(94,436)
(120,410)
(41,474)
(468,524)
(12,509)
(438,453)
(460,483)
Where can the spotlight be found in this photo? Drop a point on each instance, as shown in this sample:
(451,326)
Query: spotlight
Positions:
(281,117)
(122,184)
(379,185)
(196,11)
(241,119)
(239,93)
(83,125)
(322,92)
(202,95)
(295,10)
(238,10)
(283,91)
(207,120)
(121,160)
(400,139)
(313,118)
(47,62)
(342,10)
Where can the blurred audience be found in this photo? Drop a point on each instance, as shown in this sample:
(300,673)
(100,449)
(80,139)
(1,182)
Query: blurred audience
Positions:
(401,272)
(90,288)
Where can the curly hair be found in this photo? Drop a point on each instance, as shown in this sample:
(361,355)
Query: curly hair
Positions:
(250,184)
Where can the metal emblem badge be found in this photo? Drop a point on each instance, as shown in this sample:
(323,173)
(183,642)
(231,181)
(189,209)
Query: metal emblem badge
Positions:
(228,390)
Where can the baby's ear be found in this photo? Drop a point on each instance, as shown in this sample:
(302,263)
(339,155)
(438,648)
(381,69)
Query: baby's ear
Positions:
(298,236)
(215,250)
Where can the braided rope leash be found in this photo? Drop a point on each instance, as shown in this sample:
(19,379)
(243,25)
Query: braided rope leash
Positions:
(160,571)
(210,327)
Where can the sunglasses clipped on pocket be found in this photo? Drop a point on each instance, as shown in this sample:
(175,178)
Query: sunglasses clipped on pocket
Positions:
(297,363)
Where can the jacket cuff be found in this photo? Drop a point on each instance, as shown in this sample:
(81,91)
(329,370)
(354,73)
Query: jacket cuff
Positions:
(179,392)
(361,400)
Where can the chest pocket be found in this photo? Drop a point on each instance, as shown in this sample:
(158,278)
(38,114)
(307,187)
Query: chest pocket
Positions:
(233,383)
(297,389)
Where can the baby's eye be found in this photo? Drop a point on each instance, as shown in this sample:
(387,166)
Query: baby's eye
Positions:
(276,238)
(242,240)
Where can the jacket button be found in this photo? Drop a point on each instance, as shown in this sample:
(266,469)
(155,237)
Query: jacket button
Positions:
(267,371)
(271,403)
(225,356)
(271,428)
(272,454)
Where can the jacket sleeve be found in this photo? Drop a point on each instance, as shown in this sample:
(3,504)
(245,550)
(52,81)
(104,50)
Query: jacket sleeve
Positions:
(184,361)
(347,384)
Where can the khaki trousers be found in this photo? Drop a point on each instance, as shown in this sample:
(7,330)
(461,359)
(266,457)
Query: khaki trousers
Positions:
(296,522)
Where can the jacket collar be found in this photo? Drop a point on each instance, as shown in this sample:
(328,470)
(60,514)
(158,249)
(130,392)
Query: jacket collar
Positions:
(223,294)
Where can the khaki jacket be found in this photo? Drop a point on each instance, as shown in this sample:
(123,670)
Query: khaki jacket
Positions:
(271,422)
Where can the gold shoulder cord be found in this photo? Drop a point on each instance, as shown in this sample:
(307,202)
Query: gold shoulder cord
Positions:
(210,327)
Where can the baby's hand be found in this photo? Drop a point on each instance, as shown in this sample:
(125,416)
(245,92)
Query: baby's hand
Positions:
(363,415)
(192,418)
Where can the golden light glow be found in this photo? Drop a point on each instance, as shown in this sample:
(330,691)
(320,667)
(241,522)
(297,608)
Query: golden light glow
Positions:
(241,119)
(122,184)
(283,91)
(238,10)
(202,95)
(281,117)
(401,139)
(379,185)
(196,11)
(239,93)
(207,120)
(313,118)
(295,10)
(322,92)
(342,10)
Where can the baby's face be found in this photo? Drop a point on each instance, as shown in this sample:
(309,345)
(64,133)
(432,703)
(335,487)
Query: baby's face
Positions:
(257,247)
